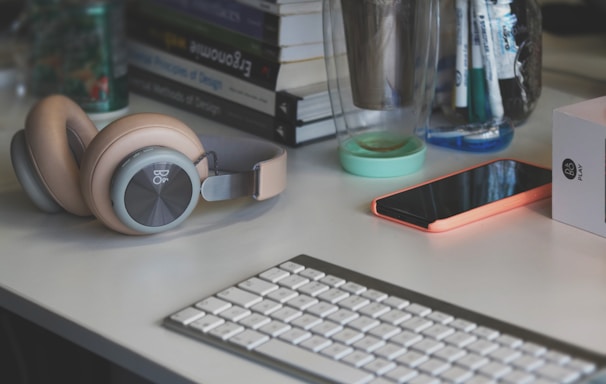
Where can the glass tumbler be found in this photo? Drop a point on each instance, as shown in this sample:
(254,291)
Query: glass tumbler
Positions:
(381,64)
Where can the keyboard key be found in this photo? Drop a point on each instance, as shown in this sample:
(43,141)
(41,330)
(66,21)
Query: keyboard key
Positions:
(368,343)
(274,328)
(302,302)
(312,274)
(396,302)
(527,362)
(239,297)
(463,325)
(332,281)
(395,316)
(249,339)
(292,267)
(390,351)
(417,309)
(295,335)
(306,321)
(286,314)
(313,288)
(374,295)
(482,347)
(316,343)
(254,321)
(438,331)
(206,323)
(472,361)
(557,373)
(258,286)
(433,366)
(213,305)
(517,377)
(494,369)
(460,339)
(322,309)
(226,330)
(303,359)
(358,358)
(450,353)
(486,333)
(379,366)
(282,295)
(401,374)
(354,302)
(406,338)
(347,336)
(456,375)
(266,306)
(187,315)
(273,275)
(416,324)
(343,316)
(327,328)
(337,351)
(412,359)
(293,281)
(235,313)
(333,295)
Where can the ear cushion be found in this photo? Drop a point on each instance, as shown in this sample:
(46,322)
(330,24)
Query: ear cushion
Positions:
(28,176)
(116,142)
(48,127)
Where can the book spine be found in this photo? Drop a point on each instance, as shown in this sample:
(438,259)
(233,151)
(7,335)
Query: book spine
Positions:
(211,107)
(232,15)
(202,77)
(150,10)
(204,50)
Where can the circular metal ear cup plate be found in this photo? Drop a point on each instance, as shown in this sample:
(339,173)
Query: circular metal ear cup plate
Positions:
(155,190)
(28,176)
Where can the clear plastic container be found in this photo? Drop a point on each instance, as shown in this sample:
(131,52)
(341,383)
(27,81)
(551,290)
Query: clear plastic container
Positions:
(380,58)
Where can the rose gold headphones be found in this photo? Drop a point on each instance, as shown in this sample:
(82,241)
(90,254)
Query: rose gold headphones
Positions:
(143,173)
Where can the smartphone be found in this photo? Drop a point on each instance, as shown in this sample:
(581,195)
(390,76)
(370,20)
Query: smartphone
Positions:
(466,196)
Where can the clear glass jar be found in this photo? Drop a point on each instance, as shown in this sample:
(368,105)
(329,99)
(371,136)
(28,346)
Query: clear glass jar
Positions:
(489,72)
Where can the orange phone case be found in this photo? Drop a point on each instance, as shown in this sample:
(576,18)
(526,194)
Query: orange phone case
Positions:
(475,214)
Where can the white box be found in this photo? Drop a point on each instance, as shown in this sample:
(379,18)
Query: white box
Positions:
(579,165)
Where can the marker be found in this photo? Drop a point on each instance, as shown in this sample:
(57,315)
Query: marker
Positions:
(462,60)
(490,67)
(479,110)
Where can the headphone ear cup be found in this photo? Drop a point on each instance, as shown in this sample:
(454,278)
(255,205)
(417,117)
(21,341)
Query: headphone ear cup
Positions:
(28,176)
(155,190)
(57,131)
(121,142)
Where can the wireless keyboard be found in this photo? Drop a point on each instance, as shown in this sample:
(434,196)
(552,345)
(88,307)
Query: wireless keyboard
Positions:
(326,323)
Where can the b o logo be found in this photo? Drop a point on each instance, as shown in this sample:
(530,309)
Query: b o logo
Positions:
(569,168)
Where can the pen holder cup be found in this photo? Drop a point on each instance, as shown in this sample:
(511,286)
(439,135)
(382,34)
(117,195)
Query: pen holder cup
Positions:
(489,72)
(380,60)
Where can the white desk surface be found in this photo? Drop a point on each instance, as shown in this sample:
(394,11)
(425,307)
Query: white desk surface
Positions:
(109,292)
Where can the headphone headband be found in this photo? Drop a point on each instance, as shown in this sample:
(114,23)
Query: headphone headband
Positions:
(246,166)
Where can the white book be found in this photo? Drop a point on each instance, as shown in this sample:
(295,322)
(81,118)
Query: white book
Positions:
(299,7)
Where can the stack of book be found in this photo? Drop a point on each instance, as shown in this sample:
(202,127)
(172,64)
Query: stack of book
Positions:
(257,65)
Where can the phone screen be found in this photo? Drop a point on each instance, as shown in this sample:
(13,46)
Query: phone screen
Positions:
(455,194)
